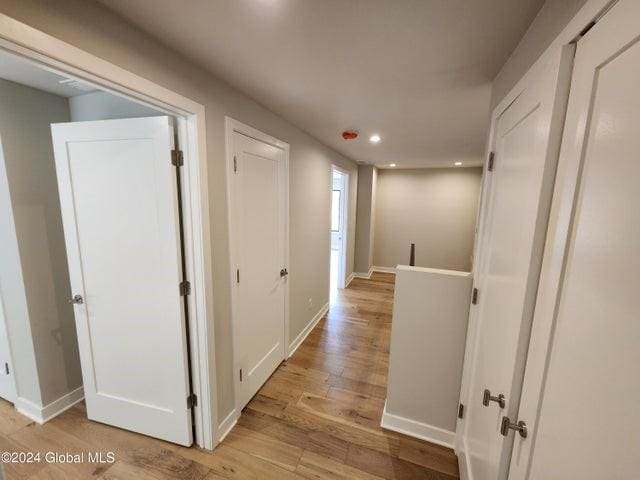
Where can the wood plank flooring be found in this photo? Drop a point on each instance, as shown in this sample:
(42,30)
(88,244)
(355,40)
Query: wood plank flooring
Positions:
(317,417)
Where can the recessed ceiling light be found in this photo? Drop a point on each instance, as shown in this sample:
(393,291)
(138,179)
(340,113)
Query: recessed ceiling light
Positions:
(375,138)
(458,164)
(392,165)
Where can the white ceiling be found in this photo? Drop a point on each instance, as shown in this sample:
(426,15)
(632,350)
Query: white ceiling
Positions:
(19,70)
(418,72)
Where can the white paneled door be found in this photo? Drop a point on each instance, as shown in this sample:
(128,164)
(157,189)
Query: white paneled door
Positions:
(258,207)
(118,194)
(587,316)
(525,145)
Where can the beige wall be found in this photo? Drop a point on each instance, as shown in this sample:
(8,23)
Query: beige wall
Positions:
(25,118)
(93,28)
(551,19)
(365,219)
(435,208)
(430,315)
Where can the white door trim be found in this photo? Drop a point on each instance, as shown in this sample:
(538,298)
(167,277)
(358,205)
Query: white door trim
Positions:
(342,270)
(5,330)
(49,52)
(232,126)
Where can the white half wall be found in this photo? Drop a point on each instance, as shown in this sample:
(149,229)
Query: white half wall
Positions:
(428,334)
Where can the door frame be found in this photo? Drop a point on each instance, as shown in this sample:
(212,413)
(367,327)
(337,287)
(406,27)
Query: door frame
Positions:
(234,126)
(342,267)
(5,329)
(590,11)
(60,57)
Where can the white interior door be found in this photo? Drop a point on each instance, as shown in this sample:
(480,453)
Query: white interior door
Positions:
(589,417)
(525,157)
(259,188)
(338,228)
(7,382)
(120,214)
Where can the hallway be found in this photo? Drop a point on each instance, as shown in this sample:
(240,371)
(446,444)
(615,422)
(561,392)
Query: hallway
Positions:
(317,417)
(319,414)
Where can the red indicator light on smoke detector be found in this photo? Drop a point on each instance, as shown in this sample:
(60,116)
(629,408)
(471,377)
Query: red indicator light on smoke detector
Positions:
(349,135)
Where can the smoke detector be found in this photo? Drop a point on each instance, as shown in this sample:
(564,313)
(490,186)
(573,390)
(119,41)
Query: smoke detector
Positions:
(350,134)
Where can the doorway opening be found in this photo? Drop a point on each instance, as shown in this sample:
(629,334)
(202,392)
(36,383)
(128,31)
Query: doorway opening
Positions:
(339,208)
(76,254)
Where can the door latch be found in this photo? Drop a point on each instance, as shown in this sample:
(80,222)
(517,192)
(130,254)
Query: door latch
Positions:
(284,272)
(487,397)
(519,427)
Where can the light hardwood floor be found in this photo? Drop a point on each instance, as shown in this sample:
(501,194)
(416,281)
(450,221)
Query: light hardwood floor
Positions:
(317,417)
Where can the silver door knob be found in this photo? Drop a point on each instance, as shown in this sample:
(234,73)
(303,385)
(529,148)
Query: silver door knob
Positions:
(77,300)
(519,427)
(487,397)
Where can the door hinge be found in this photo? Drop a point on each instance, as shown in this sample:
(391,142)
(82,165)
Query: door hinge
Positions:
(177,158)
(235,164)
(461,411)
(240,374)
(492,157)
(474,296)
(192,400)
(6,368)
(589,26)
(593,22)
(185,289)
(237,275)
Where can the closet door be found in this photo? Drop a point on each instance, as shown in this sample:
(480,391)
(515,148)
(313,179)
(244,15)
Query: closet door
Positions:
(589,418)
(526,145)
(259,190)
(119,202)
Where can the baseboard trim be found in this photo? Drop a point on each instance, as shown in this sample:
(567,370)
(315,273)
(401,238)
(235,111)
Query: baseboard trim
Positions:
(366,276)
(227,425)
(463,463)
(384,269)
(293,346)
(415,429)
(43,414)
(29,409)
(349,278)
